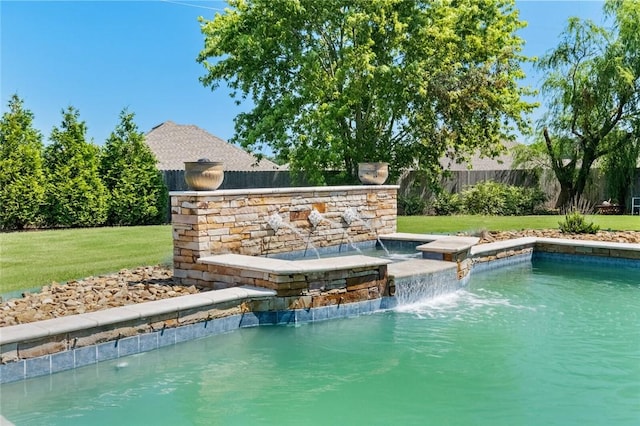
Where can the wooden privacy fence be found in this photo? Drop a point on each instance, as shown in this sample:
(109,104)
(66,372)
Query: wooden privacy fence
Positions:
(174,179)
(595,192)
(411,182)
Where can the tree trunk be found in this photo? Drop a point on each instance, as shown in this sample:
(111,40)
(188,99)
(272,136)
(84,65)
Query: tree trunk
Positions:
(566,195)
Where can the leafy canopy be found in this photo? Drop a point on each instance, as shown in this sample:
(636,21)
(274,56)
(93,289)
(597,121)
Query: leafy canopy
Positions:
(336,82)
(593,94)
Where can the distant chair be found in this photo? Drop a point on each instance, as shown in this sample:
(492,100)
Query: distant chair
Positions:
(635,205)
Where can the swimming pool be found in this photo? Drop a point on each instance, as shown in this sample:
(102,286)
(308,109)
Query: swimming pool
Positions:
(530,344)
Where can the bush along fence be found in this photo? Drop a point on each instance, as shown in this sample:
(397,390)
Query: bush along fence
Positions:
(415,197)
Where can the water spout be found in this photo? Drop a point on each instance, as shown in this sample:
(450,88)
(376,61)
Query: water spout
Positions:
(315,218)
(275,222)
(350,216)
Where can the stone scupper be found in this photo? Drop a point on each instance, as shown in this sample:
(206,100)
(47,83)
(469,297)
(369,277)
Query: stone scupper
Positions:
(268,222)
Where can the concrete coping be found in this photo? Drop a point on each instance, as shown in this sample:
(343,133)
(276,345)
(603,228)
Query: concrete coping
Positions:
(449,244)
(502,245)
(55,326)
(531,241)
(286,267)
(267,191)
(418,267)
(405,236)
(588,243)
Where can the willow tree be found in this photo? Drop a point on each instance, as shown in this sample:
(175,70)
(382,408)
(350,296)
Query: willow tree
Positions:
(335,82)
(593,92)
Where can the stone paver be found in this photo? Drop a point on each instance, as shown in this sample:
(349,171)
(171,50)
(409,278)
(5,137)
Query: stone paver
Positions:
(418,267)
(449,245)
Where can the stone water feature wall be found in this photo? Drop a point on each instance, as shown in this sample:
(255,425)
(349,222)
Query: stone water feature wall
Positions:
(207,223)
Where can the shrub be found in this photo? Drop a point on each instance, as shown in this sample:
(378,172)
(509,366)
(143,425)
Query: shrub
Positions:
(575,223)
(484,198)
(412,205)
(493,198)
(446,204)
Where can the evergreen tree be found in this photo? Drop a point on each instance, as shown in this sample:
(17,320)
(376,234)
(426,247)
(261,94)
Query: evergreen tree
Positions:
(22,179)
(76,195)
(128,169)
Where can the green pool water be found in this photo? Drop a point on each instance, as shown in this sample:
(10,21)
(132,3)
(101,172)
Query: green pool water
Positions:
(527,345)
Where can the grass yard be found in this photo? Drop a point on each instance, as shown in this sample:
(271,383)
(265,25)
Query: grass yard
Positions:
(32,259)
(472,223)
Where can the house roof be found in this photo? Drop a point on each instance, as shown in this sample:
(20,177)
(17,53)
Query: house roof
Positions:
(476,162)
(173,144)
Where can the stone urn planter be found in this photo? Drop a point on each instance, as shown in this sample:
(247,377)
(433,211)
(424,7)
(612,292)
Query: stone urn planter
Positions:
(373,173)
(203,175)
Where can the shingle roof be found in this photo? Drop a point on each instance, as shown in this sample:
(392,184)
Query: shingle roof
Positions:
(173,144)
(502,162)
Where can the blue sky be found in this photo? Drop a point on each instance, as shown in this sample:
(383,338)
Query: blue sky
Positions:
(102,56)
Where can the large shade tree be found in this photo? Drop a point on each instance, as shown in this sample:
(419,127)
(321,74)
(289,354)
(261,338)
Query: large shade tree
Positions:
(593,92)
(335,82)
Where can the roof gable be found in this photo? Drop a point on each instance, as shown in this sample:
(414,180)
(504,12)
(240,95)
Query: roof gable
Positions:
(174,144)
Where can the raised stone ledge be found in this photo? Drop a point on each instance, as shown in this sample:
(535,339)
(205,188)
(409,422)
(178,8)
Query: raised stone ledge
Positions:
(115,316)
(418,267)
(558,245)
(405,236)
(498,246)
(303,266)
(588,243)
(449,245)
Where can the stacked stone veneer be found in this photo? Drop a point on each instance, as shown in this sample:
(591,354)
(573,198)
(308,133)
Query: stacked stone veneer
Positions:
(207,223)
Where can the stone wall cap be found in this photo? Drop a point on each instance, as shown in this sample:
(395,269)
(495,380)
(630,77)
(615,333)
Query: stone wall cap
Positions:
(286,190)
(503,245)
(71,323)
(589,243)
(418,267)
(449,245)
(21,333)
(406,236)
(281,266)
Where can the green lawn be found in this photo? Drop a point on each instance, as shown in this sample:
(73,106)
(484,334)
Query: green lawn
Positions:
(468,223)
(32,259)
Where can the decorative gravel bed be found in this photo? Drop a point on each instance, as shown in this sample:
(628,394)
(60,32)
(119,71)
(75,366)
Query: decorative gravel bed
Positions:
(630,237)
(150,283)
(91,294)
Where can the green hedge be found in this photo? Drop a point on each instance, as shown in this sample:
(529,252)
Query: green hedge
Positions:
(73,182)
(490,198)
